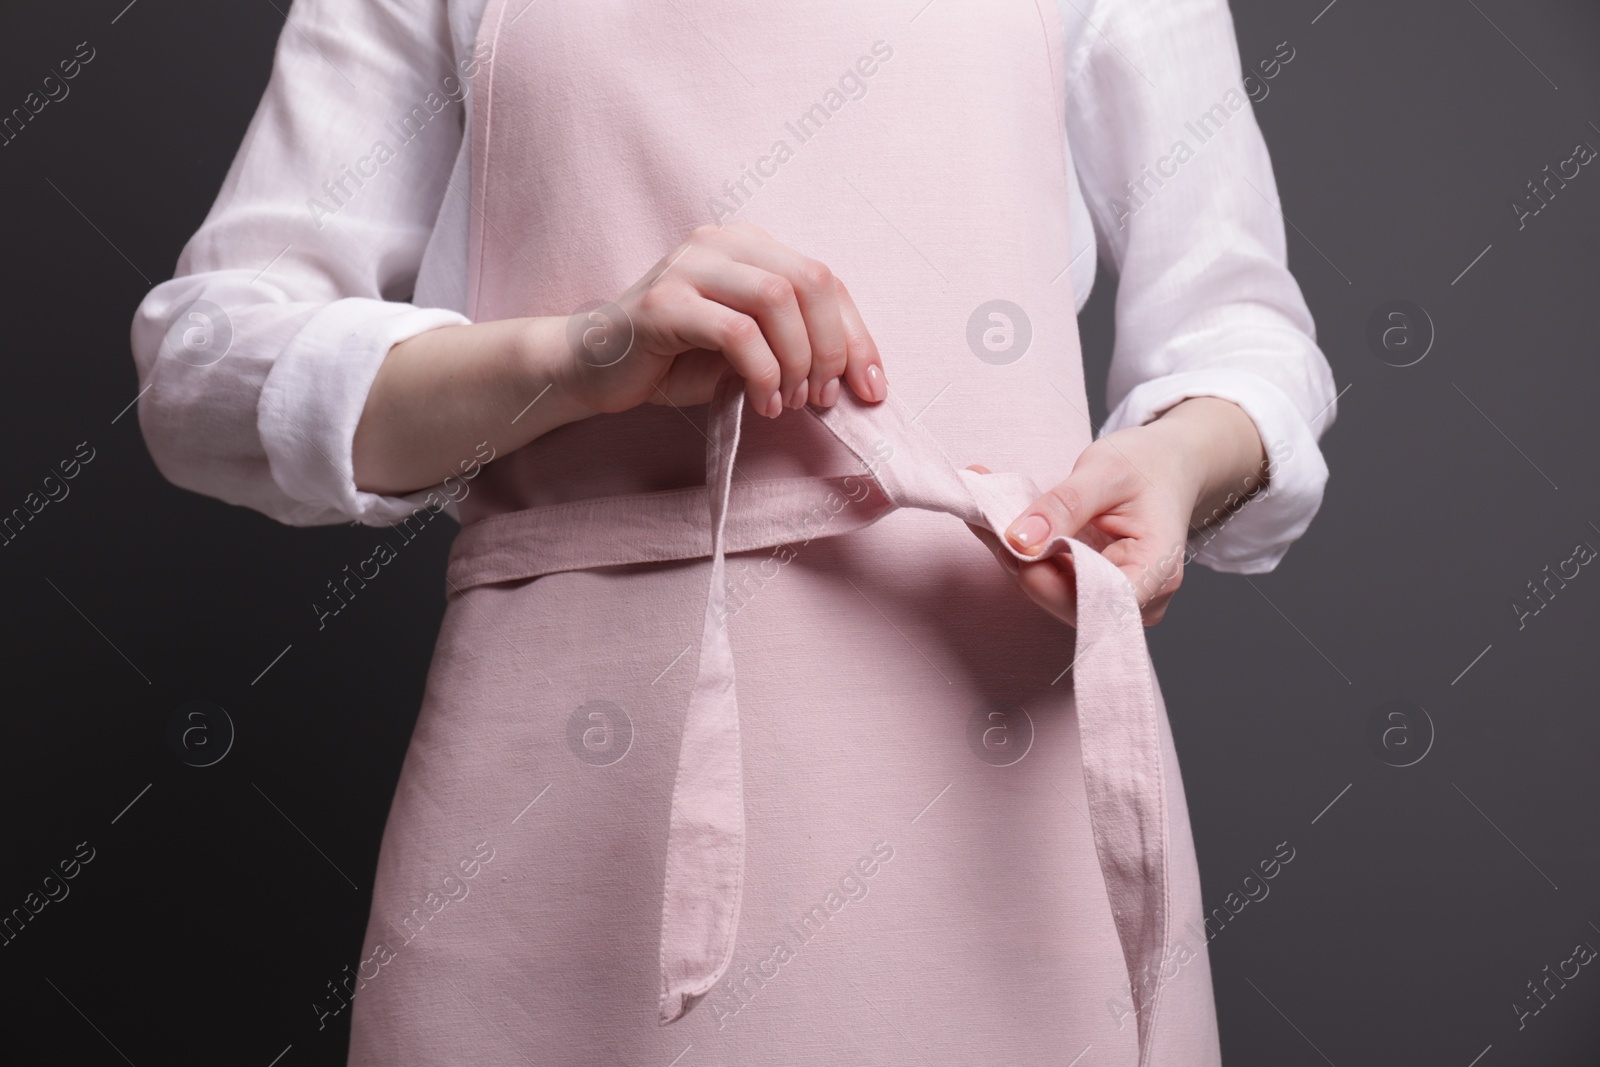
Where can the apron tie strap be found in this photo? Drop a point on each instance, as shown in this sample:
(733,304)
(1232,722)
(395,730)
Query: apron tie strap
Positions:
(1114,686)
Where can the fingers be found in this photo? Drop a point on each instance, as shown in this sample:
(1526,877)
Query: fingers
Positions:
(1152,562)
(1092,489)
(810,322)
(814,293)
(1053,585)
(1050,583)
(1001,554)
(1154,570)
(863,365)
(701,323)
(772,301)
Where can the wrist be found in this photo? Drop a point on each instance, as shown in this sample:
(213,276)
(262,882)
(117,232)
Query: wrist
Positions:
(1219,444)
(544,370)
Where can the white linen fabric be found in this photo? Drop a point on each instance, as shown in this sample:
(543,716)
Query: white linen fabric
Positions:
(341,230)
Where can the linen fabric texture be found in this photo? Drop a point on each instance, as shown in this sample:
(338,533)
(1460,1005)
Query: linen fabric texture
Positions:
(657,894)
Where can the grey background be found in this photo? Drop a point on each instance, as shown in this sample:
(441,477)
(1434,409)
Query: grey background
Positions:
(1421,899)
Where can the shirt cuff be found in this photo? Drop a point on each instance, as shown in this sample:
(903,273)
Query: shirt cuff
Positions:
(1255,537)
(312,400)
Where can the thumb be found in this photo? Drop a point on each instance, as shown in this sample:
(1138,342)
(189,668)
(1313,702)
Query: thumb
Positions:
(1065,509)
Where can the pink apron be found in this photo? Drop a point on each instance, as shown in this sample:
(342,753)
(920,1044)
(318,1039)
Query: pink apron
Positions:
(919,154)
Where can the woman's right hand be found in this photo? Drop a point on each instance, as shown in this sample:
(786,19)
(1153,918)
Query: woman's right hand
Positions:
(728,296)
(725,297)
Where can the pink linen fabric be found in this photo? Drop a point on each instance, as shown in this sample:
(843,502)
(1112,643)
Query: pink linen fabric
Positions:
(1113,680)
(593,566)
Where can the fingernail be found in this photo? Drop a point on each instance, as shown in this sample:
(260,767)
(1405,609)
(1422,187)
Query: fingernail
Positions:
(774,405)
(830,393)
(797,399)
(1030,531)
(876,384)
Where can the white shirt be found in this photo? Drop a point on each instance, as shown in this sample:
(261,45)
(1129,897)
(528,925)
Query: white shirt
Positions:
(318,275)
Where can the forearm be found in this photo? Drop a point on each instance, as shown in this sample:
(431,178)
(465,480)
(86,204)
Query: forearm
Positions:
(1223,452)
(439,395)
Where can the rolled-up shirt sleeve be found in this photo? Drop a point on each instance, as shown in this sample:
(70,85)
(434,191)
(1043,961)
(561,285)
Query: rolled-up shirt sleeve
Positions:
(1178,180)
(256,357)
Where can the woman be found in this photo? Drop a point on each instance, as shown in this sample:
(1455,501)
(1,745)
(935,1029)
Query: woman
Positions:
(926,825)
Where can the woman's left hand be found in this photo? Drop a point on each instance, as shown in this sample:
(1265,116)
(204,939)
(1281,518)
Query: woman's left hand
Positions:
(1134,495)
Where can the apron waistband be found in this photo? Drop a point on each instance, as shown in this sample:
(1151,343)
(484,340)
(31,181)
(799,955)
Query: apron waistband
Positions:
(659,526)
(1114,681)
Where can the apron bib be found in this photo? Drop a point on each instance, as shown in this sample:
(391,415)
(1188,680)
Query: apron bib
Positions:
(603,133)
